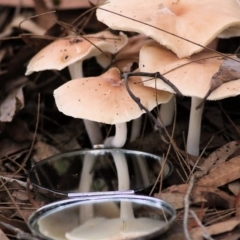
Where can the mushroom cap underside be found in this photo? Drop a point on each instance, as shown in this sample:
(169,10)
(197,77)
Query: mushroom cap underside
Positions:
(165,20)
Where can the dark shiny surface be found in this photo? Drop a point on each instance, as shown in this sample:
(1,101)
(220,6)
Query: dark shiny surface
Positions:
(61,174)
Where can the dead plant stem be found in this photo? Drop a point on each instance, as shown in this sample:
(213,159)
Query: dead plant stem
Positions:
(186,208)
(205,234)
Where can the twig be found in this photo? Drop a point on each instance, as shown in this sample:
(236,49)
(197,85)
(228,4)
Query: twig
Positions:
(206,235)
(138,100)
(154,75)
(186,208)
(19,233)
(11,179)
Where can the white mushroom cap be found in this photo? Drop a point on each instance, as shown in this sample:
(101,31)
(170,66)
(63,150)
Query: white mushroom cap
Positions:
(192,76)
(105,98)
(64,52)
(197,21)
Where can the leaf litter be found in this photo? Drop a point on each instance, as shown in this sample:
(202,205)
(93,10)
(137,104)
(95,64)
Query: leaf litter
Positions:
(215,205)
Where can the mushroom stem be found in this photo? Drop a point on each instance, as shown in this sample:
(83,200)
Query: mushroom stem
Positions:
(194,127)
(120,136)
(92,128)
(167,112)
(76,70)
(93,131)
(136,129)
(120,161)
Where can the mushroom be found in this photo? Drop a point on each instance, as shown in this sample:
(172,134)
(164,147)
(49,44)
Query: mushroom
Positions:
(70,52)
(172,22)
(124,227)
(192,76)
(67,51)
(105,99)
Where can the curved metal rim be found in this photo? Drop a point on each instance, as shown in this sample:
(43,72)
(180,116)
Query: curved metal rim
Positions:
(158,203)
(62,194)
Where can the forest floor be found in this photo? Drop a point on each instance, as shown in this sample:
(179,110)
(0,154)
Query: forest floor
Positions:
(32,129)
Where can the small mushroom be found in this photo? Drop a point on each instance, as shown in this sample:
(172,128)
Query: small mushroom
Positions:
(105,99)
(192,76)
(70,52)
(168,22)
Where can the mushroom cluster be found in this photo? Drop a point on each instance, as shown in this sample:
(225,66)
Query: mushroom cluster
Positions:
(180,30)
(177,50)
(101,99)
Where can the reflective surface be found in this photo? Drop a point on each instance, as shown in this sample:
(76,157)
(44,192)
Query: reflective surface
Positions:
(96,170)
(114,217)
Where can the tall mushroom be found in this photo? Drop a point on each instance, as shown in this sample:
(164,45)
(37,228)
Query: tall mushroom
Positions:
(70,52)
(124,227)
(192,76)
(105,99)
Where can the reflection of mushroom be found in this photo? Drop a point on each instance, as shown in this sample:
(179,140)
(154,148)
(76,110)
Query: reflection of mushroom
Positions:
(115,229)
(86,212)
(70,52)
(125,227)
(105,99)
(192,76)
(60,223)
(179,18)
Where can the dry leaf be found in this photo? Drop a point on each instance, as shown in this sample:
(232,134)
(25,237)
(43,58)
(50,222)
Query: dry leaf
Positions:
(11,104)
(222,227)
(210,196)
(3,236)
(20,195)
(228,71)
(177,199)
(237,205)
(43,150)
(234,187)
(217,157)
(223,173)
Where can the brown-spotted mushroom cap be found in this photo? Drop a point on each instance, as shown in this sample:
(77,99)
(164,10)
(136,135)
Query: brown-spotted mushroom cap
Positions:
(197,21)
(66,51)
(105,98)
